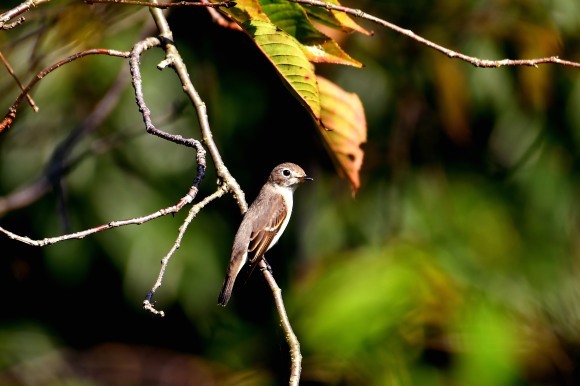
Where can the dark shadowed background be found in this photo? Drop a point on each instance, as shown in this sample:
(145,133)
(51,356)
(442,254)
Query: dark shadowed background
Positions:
(457,263)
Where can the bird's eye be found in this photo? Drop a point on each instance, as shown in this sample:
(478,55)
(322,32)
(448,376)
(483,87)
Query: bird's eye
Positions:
(286,172)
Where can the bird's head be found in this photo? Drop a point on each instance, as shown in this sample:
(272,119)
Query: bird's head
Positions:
(288,175)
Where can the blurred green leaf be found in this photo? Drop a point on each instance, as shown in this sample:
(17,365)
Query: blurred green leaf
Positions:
(491,347)
(371,297)
(23,342)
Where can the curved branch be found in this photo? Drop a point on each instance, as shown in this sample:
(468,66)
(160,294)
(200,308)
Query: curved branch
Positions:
(11,115)
(137,82)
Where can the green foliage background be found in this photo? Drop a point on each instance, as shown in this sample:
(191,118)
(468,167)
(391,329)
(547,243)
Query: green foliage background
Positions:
(456,263)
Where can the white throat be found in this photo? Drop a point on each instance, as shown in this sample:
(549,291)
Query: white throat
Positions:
(287,194)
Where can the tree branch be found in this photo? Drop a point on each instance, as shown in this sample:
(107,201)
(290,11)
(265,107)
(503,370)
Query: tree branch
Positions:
(11,72)
(11,115)
(477,62)
(18,10)
(174,59)
(147,304)
(137,82)
(295,355)
(188,198)
(227,184)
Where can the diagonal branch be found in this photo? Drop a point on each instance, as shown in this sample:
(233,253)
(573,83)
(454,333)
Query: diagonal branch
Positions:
(16,11)
(295,355)
(477,62)
(147,304)
(11,115)
(11,72)
(188,198)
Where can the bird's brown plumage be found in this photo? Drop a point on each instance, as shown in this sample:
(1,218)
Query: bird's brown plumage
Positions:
(263,223)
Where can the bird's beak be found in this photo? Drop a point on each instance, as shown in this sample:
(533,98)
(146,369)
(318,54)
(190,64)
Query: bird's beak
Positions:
(305,178)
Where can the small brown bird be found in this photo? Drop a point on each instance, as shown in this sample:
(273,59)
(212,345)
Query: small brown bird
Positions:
(264,222)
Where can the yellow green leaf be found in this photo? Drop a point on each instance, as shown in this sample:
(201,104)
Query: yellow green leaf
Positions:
(286,54)
(334,19)
(318,47)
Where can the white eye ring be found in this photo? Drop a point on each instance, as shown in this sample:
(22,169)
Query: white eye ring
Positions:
(286,172)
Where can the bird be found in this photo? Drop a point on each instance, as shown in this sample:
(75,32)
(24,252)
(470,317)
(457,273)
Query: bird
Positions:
(263,223)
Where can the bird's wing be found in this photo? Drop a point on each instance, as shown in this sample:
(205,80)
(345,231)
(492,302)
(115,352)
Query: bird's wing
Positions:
(267,229)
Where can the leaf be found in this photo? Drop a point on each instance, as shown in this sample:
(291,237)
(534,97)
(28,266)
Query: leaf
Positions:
(334,19)
(286,54)
(319,48)
(343,115)
(245,10)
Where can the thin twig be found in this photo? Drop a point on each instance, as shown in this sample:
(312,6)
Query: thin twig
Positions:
(295,355)
(60,163)
(174,59)
(11,115)
(224,4)
(477,62)
(11,72)
(18,10)
(134,56)
(188,198)
(147,304)
(137,82)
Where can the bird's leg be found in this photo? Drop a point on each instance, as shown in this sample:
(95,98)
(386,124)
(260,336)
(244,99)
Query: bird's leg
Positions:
(267,267)
(251,266)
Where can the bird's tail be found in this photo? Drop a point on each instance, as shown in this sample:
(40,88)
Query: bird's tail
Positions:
(227,288)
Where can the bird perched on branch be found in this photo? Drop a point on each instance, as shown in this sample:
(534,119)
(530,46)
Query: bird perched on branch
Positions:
(263,223)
